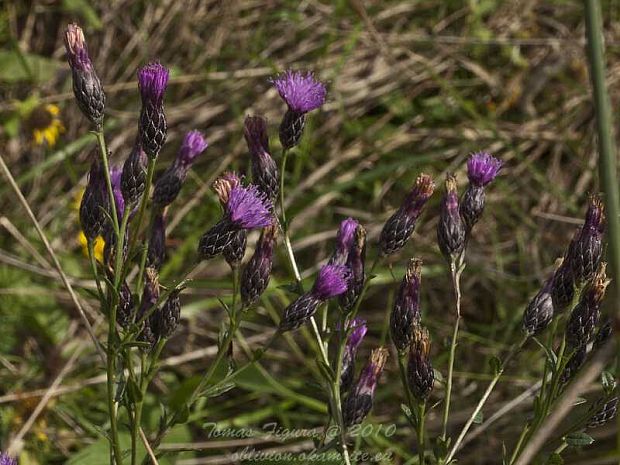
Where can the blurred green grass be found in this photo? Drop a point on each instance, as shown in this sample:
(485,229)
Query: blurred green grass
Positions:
(416,86)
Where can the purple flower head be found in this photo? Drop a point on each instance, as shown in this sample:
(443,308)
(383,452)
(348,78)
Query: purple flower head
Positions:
(371,372)
(248,208)
(75,45)
(6,459)
(152,81)
(595,216)
(332,280)
(344,241)
(255,133)
(115,178)
(358,332)
(194,143)
(482,168)
(301,92)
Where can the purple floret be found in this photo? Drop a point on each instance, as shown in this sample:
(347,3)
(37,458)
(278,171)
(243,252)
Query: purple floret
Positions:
(153,80)
(5,459)
(301,92)
(194,144)
(333,280)
(115,178)
(248,208)
(357,334)
(344,241)
(482,168)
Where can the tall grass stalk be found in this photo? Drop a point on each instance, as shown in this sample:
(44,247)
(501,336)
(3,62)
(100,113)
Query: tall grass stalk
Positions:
(607,151)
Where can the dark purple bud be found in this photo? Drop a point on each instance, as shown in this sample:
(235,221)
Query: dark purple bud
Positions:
(248,208)
(264,170)
(168,185)
(586,249)
(299,312)
(95,203)
(355,263)
(482,168)
(165,320)
(604,414)
(406,313)
(108,231)
(450,228)
(152,81)
(344,241)
(157,242)
(115,180)
(235,251)
(603,334)
(214,241)
(6,459)
(539,311)
(358,331)
(584,318)
(574,364)
(150,296)
(86,85)
(399,227)
(133,177)
(420,376)
(562,287)
(302,93)
(359,402)
(256,274)
(126,304)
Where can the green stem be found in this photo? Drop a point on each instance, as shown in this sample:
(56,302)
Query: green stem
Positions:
(343,335)
(420,431)
(456,283)
(608,174)
(93,266)
(103,153)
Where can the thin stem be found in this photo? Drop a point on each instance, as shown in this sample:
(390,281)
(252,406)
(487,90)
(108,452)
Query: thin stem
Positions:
(110,367)
(456,283)
(607,163)
(519,444)
(103,153)
(343,335)
(93,266)
(513,351)
(420,431)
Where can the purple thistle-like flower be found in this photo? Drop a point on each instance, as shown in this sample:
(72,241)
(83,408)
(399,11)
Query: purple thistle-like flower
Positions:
(248,208)
(86,84)
(332,280)
(359,402)
(301,92)
(264,170)
(194,143)
(153,129)
(152,82)
(6,459)
(344,241)
(482,168)
(399,227)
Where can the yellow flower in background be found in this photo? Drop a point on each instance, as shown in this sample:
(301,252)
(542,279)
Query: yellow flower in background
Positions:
(81,239)
(46,125)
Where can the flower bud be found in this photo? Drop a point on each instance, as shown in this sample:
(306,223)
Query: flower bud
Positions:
(256,274)
(450,228)
(169,184)
(126,304)
(235,251)
(156,254)
(358,331)
(562,287)
(150,296)
(165,320)
(406,312)
(582,322)
(399,227)
(153,129)
(539,311)
(420,376)
(87,88)
(344,241)
(359,402)
(94,204)
(355,263)
(606,413)
(264,170)
(574,364)
(133,177)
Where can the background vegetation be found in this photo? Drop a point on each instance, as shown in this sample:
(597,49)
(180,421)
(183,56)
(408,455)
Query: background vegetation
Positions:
(413,85)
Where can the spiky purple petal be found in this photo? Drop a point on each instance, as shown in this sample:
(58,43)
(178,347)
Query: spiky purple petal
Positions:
(332,280)
(301,92)
(482,168)
(152,81)
(248,208)
(194,143)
